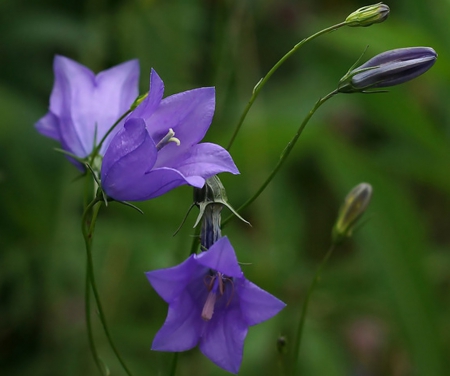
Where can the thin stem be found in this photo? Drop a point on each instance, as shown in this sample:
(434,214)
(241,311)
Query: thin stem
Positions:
(263,81)
(87,307)
(195,241)
(301,323)
(283,155)
(88,231)
(99,145)
(173,366)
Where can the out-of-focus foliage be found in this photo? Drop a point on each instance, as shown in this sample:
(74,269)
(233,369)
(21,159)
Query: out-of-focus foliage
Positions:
(382,306)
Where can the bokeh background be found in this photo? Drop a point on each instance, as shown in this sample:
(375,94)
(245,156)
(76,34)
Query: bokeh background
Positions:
(382,306)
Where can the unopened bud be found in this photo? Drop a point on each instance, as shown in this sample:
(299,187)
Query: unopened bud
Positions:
(353,208)
(368,15)
(389,68)
(211,199)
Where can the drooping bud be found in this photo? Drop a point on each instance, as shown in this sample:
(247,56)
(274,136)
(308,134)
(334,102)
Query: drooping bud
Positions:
(211,199)
(354,206)
(213,192)
(389,68)
(368,15)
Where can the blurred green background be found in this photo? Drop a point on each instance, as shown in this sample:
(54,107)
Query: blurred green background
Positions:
(382,306)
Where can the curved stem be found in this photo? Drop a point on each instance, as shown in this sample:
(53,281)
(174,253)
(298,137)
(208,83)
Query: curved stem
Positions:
(99,145)
(283,155)
(263,81)
(87,310)
(301,323)
(88,231)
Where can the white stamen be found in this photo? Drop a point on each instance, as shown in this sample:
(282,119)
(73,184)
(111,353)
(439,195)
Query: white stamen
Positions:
(168,138)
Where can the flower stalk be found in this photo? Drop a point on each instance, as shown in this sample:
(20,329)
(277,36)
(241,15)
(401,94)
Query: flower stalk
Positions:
(97,148)
(87,228)
(266,78)
(365,16)
(287,150)
(301,324)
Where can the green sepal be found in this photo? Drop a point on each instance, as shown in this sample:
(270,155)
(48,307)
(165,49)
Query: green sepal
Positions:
(69,154)
(213,192)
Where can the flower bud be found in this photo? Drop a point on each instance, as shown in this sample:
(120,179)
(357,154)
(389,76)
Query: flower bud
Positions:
(353,208)
(389,68)
(368,15)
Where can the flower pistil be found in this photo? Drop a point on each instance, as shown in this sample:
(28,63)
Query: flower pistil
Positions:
(216,285)
(168,138)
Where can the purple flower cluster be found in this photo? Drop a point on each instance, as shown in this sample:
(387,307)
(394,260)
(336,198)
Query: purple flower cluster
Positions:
(152,150)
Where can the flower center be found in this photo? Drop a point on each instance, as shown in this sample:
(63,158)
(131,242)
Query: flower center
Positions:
(216,286)
(168,138)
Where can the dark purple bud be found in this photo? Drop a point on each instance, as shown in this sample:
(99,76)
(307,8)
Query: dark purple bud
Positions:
(388,69)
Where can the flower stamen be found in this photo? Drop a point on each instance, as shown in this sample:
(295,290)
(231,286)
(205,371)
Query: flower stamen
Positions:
(232,291)
(168,138)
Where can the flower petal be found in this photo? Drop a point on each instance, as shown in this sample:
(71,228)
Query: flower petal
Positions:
(222,258)
(159,181)
(169,283)
(72,82)
(114,93)
(89,105)
(223,339)
(130,154)
(203,160)
(183,326)
(48,125)
(188,113)
(151,103)
(257,305)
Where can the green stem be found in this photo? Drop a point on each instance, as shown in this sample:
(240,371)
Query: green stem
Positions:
(99,145)
(263,81)
(87,307)
(195,240)
(283,155)
(173,367)
(301,324)
(88,231)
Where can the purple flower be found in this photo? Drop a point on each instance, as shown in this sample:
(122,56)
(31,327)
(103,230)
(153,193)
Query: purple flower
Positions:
(83,106)
(211,304)
(158,148)
(389,68)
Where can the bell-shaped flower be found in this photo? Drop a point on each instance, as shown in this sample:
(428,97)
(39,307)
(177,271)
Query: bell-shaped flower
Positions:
(83,106)
(211,304)
(158,147)
(389,68)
